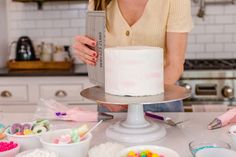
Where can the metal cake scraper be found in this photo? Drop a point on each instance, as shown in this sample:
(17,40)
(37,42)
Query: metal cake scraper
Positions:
(95,29)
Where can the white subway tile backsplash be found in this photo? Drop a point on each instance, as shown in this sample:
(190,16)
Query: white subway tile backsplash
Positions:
(234,38)
(222,55)
(26,24)
(214,29)
(199,29)
(215,10)
(214,48)
(223,38)
(204,55)
(77,5)
(52,32)
(61,6)
(195,48)
(230,9)
(70,14)
(44,24)
(35,33)
(34,15)
(77,22)
(205,38)
(224,19)
(190,55)
(18,15)
(191,39)
(69,32)
(231,47)
(59,22)
(230,28)
(52,14)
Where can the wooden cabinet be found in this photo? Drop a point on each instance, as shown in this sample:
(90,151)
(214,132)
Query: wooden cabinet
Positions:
(28,90)
(13,93)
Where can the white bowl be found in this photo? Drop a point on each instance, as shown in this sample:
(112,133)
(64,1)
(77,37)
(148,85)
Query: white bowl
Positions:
(167,152)
(10,153)
(215,152)
(29,151)
(26,142)
(65,150)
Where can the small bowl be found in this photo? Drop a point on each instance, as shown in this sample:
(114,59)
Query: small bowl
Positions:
(205,143)
(65,150)
(26,142)
(30,151)
(10,153)
(167,152)
(217,152)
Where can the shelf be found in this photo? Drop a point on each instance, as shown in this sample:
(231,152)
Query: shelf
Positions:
(40,2)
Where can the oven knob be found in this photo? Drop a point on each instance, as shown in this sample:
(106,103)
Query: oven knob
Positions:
(187,86)
(228,92)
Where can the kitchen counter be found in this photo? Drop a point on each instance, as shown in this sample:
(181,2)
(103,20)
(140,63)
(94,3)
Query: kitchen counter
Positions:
(177,138)
(77,70)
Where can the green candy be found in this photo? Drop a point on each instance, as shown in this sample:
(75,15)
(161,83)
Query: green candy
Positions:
(143,154)
(74,135)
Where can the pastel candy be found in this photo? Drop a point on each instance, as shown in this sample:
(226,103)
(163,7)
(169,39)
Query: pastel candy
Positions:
(74,136)
(64,139)
(28,132)
(83,129)
(39,129)
(16,127)
(26,127)
(2,126)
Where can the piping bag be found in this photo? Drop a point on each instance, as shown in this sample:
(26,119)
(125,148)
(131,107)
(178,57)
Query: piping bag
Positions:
(51,109)
(223,120)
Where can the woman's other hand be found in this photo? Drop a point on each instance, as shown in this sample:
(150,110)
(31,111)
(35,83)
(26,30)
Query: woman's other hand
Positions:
(84,48)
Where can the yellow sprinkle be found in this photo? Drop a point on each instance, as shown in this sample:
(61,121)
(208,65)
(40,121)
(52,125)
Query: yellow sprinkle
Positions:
(155,155)
(27,132)
(131,153)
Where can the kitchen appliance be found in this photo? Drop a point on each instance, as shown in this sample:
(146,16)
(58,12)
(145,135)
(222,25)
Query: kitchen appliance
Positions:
(24,49)
(211,81)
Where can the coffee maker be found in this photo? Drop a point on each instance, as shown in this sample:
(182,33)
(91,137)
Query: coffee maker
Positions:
(24,49)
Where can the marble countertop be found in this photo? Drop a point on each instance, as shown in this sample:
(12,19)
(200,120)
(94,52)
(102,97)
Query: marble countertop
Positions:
(177,138)
(77,70)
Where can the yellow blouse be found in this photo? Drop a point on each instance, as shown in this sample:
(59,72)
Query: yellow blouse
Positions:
(159,17)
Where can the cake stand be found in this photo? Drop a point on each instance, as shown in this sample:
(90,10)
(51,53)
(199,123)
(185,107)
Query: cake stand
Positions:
(136,129)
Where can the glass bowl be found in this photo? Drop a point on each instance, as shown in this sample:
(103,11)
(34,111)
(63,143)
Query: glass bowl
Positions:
(205,143)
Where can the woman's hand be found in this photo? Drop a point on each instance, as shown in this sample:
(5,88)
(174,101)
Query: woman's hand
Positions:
(84,47)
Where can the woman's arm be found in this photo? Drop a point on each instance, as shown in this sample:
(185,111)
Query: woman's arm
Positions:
(176,44)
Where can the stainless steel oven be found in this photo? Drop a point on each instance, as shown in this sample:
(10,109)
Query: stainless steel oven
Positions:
(212,81)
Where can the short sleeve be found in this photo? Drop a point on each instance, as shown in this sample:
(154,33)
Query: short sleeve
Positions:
(179,18)
(91,5)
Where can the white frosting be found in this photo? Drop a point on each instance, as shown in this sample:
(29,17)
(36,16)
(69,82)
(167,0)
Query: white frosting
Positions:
(40,153)
(134,71)
(107,149)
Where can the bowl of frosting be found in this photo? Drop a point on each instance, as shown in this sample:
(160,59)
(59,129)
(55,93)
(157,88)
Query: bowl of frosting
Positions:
(27,134)
(68,142)
(37,153)
(206,144)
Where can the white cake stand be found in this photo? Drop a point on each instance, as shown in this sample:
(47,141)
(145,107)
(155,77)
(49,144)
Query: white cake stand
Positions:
(136,129)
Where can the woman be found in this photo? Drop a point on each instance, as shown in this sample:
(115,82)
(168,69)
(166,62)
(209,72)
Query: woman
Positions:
(160,23)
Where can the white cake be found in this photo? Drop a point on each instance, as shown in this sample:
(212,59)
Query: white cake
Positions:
(134,71)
